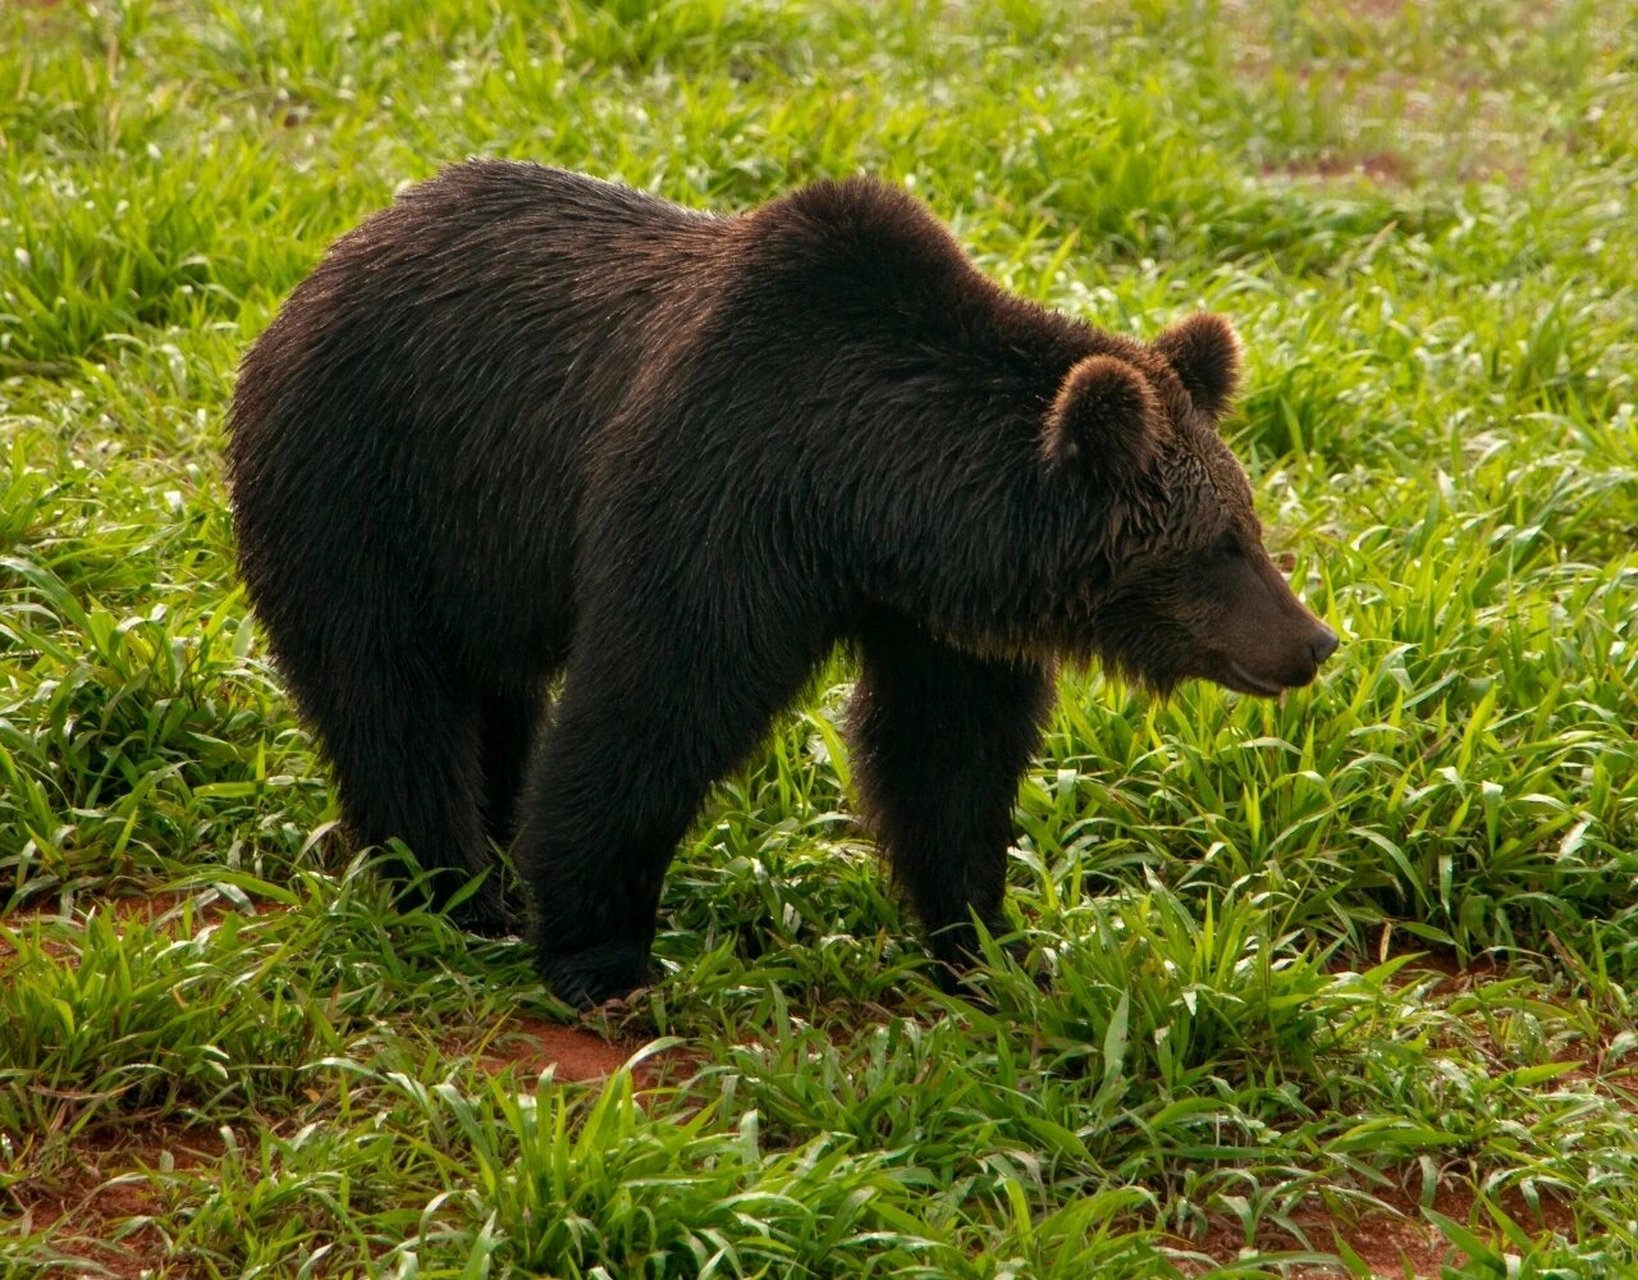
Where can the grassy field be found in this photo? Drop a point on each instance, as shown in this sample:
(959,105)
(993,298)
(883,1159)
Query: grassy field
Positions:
(1341,986)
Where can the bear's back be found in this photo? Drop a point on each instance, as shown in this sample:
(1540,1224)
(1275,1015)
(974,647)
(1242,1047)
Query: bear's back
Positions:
(427,395)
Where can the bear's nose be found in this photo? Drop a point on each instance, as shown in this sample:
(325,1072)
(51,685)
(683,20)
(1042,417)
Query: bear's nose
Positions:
(1323,645)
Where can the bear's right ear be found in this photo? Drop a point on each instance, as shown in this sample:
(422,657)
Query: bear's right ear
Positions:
(1105,417)
(1205,351)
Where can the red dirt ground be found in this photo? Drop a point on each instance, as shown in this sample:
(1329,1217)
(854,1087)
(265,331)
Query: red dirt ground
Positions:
(92,1201)
(89,1204)
(106,1186)
(1385,168)
(530,1045)
(151,909)
(1388,1243)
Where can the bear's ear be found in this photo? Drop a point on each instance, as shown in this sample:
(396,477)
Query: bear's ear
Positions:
(1205,351)
(1104,417)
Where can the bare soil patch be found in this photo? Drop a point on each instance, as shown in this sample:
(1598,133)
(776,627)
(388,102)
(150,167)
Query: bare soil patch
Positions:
(158,910)
(54,947)
(530,1046)
(166,908)
(1375,8)
(1394,1243)
(1452,976)
(1384,168)
(1396,119)
(106,1186)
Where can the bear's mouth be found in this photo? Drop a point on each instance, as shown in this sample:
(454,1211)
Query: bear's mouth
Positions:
(1243,681)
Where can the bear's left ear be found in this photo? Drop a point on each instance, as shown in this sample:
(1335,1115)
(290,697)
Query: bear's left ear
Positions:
(1205,351)
(1105,418)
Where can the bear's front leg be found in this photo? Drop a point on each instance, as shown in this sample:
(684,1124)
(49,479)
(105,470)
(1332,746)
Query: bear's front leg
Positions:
(941,739)
(650,717)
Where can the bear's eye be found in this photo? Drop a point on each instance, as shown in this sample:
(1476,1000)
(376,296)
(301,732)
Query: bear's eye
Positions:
(1227,546)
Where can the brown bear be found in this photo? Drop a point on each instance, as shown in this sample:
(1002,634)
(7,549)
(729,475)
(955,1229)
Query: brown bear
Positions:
(525,422)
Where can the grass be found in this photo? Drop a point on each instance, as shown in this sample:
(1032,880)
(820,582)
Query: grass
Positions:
(1343,986)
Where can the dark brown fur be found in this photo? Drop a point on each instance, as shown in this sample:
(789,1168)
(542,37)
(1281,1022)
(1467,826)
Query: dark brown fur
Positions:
(525,422)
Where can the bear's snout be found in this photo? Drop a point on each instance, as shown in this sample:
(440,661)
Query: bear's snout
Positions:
(1297,661)
(1269,639)
(1323,645)
(1294,659)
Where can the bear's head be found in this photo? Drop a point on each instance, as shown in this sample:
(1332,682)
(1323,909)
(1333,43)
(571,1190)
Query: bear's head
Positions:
(1183,587)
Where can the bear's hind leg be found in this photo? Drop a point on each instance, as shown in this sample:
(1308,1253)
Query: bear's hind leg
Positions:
(404,748)
(940,741)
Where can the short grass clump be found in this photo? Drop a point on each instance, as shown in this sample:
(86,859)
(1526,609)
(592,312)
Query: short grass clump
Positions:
(1341,986)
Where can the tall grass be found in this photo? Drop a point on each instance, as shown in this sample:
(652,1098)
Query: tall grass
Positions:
(1277,969)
